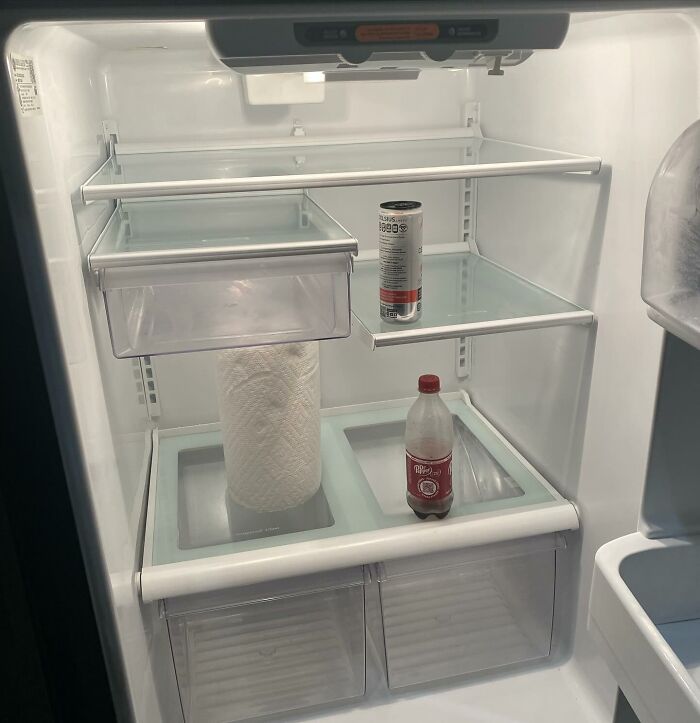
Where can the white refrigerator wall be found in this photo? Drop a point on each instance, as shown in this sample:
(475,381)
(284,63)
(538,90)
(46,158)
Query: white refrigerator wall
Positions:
(622,87)
(63,145)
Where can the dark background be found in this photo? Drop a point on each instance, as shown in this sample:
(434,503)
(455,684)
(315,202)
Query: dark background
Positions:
(54,669)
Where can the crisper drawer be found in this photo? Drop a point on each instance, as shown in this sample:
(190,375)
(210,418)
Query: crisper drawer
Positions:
(219,273)
(450,614)
(270,648)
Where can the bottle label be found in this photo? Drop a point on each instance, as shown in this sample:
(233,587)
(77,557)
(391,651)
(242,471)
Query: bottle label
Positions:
(429,479)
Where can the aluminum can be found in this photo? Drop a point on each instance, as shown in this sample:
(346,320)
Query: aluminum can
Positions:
(400,261)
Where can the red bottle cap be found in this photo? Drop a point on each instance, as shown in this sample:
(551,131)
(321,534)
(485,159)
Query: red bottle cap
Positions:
(428,383)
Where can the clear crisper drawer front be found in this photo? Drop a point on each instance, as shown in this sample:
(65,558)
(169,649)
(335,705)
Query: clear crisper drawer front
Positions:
(288,650)
(227,304)
(218,273)
(450,614)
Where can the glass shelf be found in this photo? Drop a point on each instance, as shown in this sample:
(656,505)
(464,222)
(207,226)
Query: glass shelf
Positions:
(196,541)
(183,231)
(309,164)
(463,295)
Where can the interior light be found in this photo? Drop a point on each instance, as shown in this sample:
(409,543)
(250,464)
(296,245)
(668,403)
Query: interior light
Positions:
(315,76)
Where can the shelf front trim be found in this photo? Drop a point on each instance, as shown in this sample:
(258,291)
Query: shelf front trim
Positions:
(478,328)
(275,563)
(333,179)
(223,253)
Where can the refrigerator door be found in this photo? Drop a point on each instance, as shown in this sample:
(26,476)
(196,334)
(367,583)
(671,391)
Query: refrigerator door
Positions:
(671,272)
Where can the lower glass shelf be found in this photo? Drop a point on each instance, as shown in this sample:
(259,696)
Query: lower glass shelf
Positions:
(464,294)
(196,540)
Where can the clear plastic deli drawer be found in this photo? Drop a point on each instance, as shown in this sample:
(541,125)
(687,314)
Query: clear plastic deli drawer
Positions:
(450,614)
(223,272)
(270,648)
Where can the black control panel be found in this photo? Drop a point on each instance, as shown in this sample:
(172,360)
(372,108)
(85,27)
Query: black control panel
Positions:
(462,32)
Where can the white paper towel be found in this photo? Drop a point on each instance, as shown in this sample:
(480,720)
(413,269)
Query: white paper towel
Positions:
(269,405)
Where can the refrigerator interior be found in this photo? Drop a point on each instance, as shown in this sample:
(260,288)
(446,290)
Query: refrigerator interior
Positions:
(575,400)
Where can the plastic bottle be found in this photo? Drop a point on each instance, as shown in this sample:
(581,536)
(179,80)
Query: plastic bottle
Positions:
(429,440)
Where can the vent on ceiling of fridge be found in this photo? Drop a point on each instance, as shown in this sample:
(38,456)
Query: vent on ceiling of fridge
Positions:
(382,40)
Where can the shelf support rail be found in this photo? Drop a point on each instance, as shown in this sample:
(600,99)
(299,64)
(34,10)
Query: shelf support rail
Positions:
(464,344)
(110,135)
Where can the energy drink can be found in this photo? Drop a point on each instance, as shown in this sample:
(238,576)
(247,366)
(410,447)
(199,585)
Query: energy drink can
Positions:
(400,260)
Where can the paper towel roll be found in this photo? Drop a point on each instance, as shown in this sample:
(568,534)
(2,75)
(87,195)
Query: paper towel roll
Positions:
(269,405)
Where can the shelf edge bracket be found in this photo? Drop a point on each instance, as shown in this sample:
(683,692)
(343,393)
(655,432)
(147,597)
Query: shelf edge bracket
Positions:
(110,134)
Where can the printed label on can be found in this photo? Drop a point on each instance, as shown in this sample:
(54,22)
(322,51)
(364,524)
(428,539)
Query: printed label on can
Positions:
(429,479)
(400,263)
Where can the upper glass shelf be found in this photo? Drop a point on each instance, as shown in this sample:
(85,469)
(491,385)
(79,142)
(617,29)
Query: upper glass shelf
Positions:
(214,229)
(463,295)
(302,165)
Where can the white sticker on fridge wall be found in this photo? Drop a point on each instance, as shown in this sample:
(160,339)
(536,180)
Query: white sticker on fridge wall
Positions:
(25,82)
